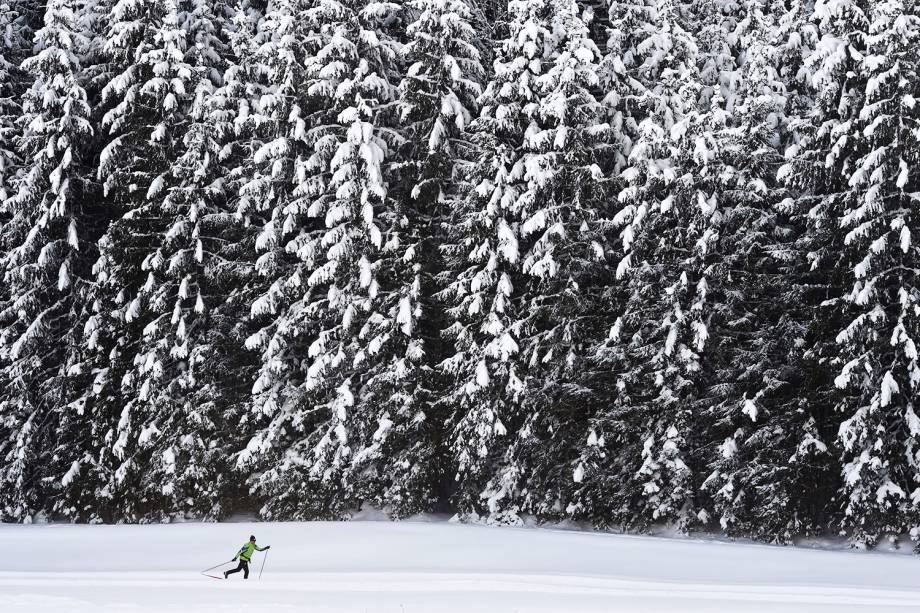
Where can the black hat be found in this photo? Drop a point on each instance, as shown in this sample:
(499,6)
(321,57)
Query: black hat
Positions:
(252,538)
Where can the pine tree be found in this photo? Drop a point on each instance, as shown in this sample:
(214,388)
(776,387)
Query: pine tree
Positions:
(863,136)
(567,268)
(13,82)
(772,459)
(224,142)
(354,300)
(524,242)
(399,454)
(147,95)
(657,342)
(279,115)
(44,271)
(325,203)
(176,379)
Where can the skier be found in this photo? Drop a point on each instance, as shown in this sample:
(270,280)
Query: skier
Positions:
(245,555)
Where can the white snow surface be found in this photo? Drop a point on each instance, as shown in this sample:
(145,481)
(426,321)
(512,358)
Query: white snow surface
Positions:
(435,566)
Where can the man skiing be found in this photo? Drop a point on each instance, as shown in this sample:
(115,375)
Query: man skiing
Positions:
(245,556)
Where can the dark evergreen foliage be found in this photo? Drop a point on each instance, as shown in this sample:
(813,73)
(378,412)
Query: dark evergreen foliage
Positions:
(632,262)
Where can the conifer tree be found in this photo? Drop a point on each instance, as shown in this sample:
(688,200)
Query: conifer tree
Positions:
(175,370)
(13,82)
(44,270)
(566,270)
(360,233)
(147,96)
(483,254)
(773,458)
(280,115)
(523,243)
(323,239)
(656,343)
(862,135)
(399,455)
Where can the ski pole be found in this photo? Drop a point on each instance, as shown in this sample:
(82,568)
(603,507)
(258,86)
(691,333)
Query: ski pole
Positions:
(265,557)
(217,565)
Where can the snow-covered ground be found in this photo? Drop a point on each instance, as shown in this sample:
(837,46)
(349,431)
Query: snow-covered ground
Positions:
(409,567)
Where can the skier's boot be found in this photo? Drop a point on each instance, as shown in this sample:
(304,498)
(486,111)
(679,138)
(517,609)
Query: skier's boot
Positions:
(225,574)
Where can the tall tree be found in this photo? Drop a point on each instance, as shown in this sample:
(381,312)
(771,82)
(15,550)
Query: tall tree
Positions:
(523,240)
(864,64)
(565,232)
(399,451)
(324,239)
(147,94)
(14,43)
(44,269)
(773,460)
(182,300)
(280,116)
(360,310)
(656,344)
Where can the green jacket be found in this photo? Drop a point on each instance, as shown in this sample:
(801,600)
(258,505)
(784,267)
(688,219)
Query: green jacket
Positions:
(247,550)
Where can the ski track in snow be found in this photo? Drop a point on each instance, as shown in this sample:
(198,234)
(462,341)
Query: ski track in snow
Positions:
(427,567)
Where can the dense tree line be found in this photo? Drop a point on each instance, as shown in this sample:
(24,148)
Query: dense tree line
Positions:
(632,263)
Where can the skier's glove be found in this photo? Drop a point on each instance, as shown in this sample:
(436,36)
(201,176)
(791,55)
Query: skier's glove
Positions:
(268,546)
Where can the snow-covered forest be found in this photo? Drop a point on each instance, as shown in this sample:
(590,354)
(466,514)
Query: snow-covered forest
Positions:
(629,263)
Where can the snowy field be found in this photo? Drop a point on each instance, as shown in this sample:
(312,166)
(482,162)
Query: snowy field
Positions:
(379,567)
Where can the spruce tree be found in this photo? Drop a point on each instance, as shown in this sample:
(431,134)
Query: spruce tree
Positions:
(523,244)
(772,461)
(657,341)
(279,115)
(863,134)
(400,458)
(566,268)
(319,184)
(177,376)
(13,82)
(147,98)
(44,271)
(360,310)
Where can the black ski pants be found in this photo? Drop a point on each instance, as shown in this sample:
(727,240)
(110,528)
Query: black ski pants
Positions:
(244,566)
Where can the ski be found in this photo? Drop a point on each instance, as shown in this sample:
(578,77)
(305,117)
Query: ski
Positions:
(213,577)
